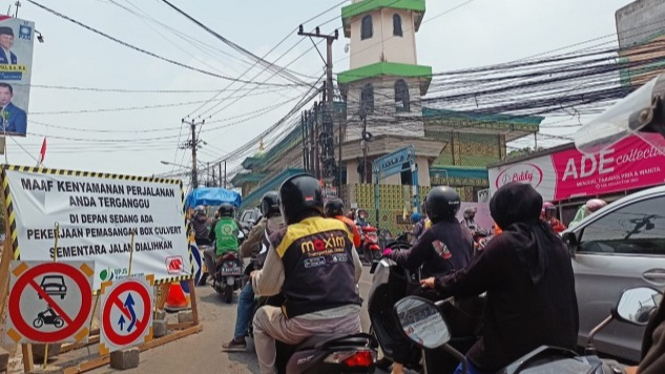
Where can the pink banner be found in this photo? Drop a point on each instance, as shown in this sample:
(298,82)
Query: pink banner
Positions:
(629,164)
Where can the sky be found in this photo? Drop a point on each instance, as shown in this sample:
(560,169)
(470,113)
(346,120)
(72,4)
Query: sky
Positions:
(478,32)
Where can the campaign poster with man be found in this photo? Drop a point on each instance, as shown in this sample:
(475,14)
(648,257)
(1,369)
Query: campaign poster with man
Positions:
(16,47)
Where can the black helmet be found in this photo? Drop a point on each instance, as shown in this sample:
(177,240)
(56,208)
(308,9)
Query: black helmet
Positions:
(298,195)
(442,203)
(334,208)
(225,210)
(270,204)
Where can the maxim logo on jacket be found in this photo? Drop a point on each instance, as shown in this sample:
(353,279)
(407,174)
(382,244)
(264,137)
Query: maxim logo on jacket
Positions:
(329,242)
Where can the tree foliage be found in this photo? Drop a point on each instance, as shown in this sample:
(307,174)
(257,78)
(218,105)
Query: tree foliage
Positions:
(522,152)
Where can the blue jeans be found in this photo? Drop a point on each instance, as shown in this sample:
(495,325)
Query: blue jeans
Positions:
(244,311)
(472,369)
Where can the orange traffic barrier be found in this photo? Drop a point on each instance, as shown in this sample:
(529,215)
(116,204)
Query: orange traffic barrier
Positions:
(176,299)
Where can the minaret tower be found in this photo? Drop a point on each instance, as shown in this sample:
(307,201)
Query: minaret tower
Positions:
(385,84)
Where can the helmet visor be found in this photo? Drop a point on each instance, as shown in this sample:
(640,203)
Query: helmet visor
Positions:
(627,117)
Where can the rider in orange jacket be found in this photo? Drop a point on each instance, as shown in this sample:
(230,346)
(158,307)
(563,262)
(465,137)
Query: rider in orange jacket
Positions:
(548,215)
(335,209)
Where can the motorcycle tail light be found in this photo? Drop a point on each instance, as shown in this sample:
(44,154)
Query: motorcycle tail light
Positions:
(356,358)
(229,256)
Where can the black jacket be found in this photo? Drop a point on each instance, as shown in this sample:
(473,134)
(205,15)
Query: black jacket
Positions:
(653,344)
(528,276)
(447,246)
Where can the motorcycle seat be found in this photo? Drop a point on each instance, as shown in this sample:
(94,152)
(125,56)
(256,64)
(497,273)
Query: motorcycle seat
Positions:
(335,340)
(315,340)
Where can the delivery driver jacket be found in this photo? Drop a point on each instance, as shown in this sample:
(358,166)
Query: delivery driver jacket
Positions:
(314,264)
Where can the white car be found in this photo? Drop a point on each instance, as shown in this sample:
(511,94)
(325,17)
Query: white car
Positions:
(618,247)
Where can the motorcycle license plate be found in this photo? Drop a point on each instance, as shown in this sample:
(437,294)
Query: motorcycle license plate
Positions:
(231,270)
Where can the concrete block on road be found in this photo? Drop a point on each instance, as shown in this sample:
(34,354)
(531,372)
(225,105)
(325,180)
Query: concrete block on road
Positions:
(125,359)
(49,370)
(185,316)
(158,328)
(4,360)
(159,314)
(38,351)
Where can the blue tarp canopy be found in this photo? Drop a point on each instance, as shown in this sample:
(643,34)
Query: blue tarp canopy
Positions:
(212,196)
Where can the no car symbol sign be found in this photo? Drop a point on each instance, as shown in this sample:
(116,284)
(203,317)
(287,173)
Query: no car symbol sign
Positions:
(126,313)
(49,302)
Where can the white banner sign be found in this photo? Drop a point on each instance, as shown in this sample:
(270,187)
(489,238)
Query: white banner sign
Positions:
(96,214)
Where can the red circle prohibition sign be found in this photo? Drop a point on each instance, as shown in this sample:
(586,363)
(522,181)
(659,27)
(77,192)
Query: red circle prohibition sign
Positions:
(114,300)
(72,324)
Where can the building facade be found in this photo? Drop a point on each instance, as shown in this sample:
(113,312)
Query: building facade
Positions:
(381,94)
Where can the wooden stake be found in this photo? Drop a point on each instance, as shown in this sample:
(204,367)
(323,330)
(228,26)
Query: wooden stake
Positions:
(28,359)
(192,299)
(55,259)
(131,253)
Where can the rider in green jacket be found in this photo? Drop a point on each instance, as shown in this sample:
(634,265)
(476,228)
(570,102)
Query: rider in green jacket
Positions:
(224,236)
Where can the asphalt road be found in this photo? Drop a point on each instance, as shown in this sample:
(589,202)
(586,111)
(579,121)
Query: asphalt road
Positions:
(202,353)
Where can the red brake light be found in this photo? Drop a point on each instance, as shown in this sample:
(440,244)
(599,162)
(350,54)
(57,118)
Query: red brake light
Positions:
(361,359)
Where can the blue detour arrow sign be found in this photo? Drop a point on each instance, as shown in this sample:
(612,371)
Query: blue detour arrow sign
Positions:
(129,304)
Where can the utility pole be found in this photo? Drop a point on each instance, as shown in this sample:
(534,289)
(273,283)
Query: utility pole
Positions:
(194,145)
(220,176)
(327,154)
(225,174)
(214,177)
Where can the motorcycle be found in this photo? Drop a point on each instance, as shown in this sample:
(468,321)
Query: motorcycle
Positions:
(323,354)
(229,273)
(371,250)
(390,284)
(422,322)
(228,276)
(48,317)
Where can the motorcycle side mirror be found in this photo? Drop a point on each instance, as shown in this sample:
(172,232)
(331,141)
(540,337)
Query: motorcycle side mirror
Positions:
(421,322)
(636,305)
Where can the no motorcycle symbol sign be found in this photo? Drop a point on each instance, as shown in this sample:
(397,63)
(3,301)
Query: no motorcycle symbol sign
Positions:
(126,313)
(49,302)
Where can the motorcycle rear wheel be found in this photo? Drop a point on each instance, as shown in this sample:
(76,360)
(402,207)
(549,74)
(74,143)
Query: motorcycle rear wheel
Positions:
(228,294)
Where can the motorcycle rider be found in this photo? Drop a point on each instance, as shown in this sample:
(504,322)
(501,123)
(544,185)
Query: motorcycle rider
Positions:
(321,295)
(428,222)
(447,246)
(256,247)
(335,209)
(418,227)
(224,235)
(528,276)
(469,220)
(586,209)
(361,218)
(548,214)
(199,224)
